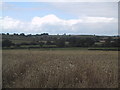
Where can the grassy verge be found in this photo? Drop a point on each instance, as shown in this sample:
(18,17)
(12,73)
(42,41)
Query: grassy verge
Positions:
(104,48)
(66,48)
(22,48)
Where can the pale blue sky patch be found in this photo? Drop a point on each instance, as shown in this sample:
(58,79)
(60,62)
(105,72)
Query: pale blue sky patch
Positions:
(61,0)
(27,10)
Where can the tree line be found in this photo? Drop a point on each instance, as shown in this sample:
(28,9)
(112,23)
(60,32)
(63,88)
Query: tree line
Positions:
(65,42)
(22,34)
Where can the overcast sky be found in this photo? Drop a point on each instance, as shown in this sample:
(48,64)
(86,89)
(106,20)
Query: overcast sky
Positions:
(100,18)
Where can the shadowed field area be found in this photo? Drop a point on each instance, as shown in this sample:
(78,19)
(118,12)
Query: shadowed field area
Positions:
(60,69)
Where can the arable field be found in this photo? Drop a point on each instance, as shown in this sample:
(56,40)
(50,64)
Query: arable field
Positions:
(60,69)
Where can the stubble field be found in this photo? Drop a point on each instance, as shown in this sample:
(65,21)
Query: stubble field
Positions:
(59,69)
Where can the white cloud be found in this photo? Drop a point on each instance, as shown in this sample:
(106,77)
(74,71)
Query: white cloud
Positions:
(51,19)
(9,24)
(53,25)
(98,20)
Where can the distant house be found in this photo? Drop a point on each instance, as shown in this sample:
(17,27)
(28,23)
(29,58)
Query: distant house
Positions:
(116,38)
(102,40)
